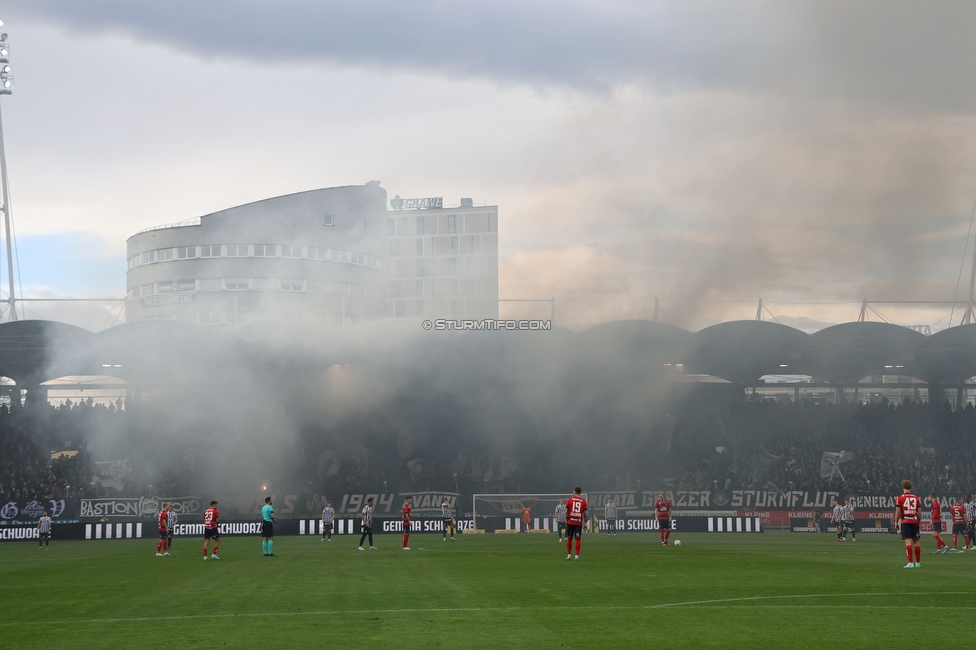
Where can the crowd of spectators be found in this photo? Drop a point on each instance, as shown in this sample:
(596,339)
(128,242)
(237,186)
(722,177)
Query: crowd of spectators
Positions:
(779,446)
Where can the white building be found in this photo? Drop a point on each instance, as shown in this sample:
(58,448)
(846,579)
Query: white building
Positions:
(317,255)
(442,261)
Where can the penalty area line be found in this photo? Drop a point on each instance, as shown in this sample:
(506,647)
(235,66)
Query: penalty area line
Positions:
(703,604)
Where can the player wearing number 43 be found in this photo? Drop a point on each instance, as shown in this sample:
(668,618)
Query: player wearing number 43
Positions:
(907,516)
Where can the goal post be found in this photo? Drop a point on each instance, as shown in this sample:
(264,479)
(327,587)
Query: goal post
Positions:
(503,512)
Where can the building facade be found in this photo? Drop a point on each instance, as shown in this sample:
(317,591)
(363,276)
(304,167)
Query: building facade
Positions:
(318,255)
(442,262)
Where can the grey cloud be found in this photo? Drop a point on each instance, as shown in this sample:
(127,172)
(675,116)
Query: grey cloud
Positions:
(917,55)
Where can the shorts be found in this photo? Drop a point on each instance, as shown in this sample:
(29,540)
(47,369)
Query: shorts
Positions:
(848,525)
(574,530)
(910,531)
(936,526)
(211,533)
(448,523)
(163,533)
(664,524)
(959,529)
(328,527)
(267,529)
(561,525)
(611,524)
(406,526)
(44,536)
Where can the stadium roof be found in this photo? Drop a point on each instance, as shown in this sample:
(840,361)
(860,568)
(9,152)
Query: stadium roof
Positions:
(35,351)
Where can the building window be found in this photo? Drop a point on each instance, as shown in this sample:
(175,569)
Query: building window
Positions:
(399,268)
(452,266)
(421,268)
(394,248)
(291,251)
(451,224)
(236,250)
(399,309)
(291,285)
(454,246)
(395,290)
(163,254)
(420,247)
(401,226)
(264,250)
(420,287)
(236,285)
(420,307)
(148,256)
(365,226)
(421,224)
(329,219)
(391,227)
(184,252)
(208,250)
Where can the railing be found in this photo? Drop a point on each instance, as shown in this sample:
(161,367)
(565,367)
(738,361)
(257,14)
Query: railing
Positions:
(193,221)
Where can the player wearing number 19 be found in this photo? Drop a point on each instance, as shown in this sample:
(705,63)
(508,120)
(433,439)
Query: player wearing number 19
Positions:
(908,517)
(575,516)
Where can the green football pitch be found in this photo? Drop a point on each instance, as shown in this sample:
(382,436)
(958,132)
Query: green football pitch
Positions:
(734,591)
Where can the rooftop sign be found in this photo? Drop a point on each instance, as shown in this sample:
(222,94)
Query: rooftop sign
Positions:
(416,204)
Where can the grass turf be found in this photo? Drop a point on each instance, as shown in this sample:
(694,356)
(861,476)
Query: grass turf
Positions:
(484,591)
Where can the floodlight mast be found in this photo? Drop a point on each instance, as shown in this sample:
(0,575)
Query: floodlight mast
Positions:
(6,88)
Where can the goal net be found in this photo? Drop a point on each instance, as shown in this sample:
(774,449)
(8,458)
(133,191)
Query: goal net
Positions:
(504,512)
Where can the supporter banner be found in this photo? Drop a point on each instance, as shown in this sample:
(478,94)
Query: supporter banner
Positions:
(861,525)
(31,510)
(424,503)
(138,507)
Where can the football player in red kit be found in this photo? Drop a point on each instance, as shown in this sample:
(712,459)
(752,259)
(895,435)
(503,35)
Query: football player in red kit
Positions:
(575,516)
(937,524)
(162,521)
(662,512)
(211,530)
(908,516)
(407,519)
(958,512)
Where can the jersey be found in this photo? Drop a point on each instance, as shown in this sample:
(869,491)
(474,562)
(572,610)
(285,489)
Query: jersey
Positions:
(575,507)
(406,513)
(161,520)
(328,514)
(663,509)
(909,504)
(610,511)
(560,514)
(838,513)
(848,514)
(971,510)
(526,513)
(267,513)
(936,511)
(367,516)
(171,518)
(445,510)
(210,518)
(44,525)
(958,513)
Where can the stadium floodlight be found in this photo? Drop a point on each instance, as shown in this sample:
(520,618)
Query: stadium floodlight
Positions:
(5,69)
(3,37)
(6,88)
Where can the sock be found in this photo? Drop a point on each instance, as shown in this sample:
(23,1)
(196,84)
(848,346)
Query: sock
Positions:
(908,549)
(204,551)
(578,540)
(159,546)
(569,545)
(216,546)
(667,534)
(955,540)
(406,537)
(264,546)
(270,546)
(918,554)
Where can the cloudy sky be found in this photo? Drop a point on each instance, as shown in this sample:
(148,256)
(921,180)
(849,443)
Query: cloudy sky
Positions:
(704,153)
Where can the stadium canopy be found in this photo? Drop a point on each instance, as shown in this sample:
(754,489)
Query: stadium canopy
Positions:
(949,356)
(639,341)
(32,351)
(743,351)
(846,353)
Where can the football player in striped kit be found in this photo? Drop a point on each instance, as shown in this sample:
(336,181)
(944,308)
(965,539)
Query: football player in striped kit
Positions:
(367,519)
(446,519)
(610,515)
(837,519)
(971,518)
(171,520)
(328,517)
(44,531)
(560,517)
(848,518)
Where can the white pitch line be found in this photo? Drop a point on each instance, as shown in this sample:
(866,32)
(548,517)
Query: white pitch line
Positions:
(702,604)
